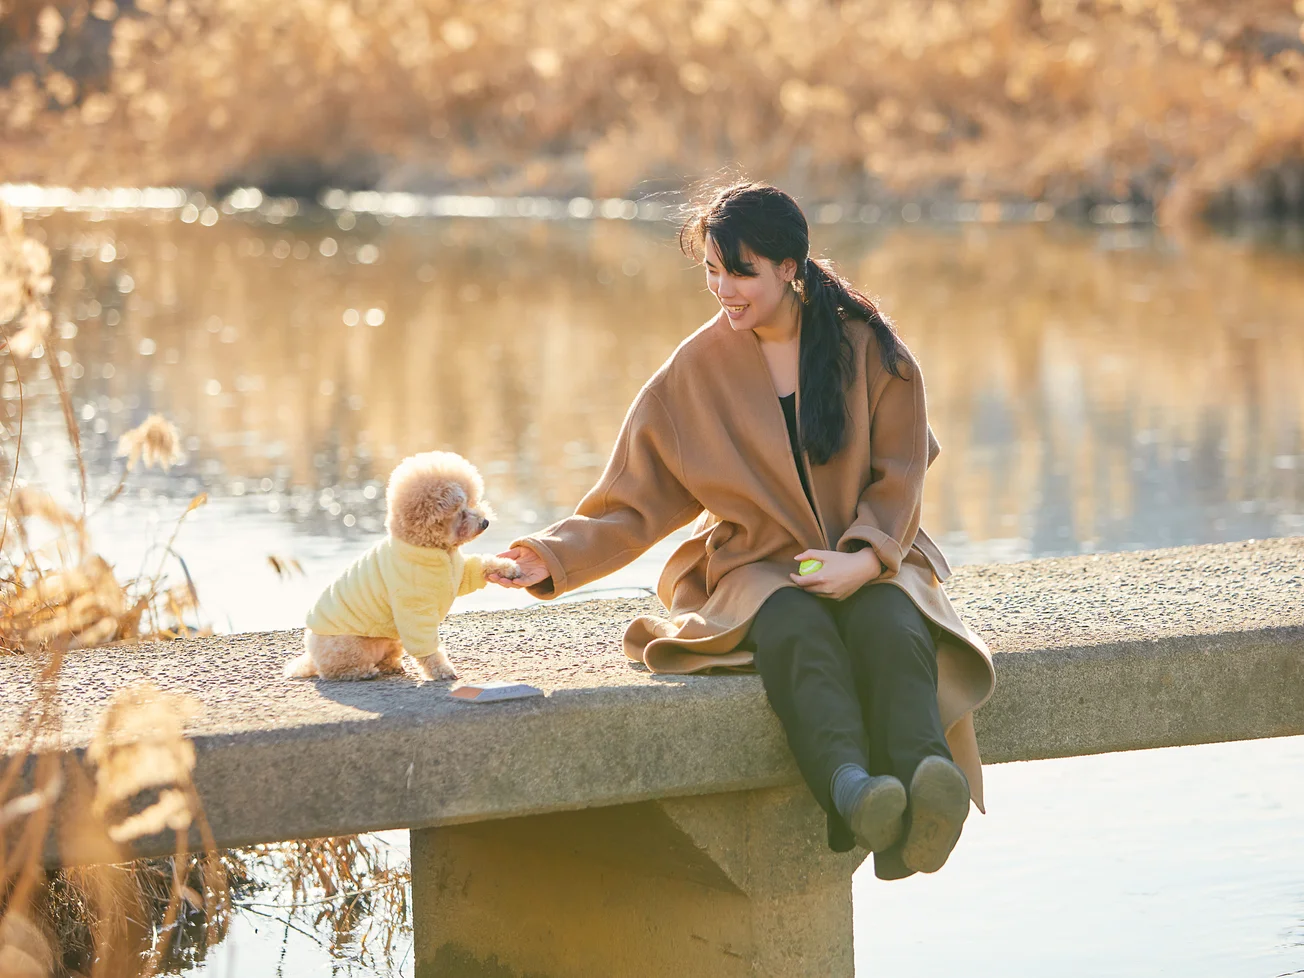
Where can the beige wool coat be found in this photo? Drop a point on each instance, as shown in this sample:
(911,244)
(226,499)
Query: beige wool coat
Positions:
(705,441)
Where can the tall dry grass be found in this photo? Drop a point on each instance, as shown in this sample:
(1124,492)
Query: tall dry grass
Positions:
(109,917)
(1167,99)
(57,594)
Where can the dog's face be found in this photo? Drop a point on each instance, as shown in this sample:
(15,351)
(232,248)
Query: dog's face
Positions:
(468,516)
(434,501)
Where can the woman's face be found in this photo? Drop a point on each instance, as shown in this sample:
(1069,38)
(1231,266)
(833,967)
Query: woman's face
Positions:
(752,300)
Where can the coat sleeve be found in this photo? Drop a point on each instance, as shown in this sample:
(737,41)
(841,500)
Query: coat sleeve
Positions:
(419,602)
(901,448)
(639,498)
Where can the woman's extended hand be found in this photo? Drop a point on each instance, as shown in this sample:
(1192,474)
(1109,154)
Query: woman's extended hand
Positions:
(531,566)
(842,574)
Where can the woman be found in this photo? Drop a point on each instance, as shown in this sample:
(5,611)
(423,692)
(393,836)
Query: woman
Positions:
(792,427)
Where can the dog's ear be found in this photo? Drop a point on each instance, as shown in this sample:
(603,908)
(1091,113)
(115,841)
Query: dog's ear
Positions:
(449,498)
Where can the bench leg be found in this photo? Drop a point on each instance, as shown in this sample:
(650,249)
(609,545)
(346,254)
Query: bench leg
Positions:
(718,885)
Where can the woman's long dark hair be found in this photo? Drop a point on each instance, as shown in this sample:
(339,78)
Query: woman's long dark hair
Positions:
(767,222)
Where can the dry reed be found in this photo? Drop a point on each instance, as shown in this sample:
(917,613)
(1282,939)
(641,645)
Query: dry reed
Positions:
(111,918)
(108,918)
(55,591)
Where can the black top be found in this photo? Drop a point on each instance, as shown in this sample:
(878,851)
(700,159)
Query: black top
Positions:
(789,405)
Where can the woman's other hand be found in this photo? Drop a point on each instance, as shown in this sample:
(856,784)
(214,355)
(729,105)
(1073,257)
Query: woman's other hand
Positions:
(842,574)
(530,566)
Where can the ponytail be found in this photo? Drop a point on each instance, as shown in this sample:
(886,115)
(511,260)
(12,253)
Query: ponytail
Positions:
(826,364)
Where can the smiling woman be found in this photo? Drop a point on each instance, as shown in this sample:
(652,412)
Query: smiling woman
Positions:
(755,244)
(714,436)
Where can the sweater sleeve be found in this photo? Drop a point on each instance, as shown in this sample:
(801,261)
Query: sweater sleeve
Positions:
(888,512)
(472,575)
(639,498)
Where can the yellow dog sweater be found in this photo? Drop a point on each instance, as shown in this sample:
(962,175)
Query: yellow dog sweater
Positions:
(396,590)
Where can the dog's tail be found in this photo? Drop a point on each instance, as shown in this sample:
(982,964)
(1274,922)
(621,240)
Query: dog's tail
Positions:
(300,667)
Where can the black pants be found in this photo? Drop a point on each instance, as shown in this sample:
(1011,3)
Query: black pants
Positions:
(853,682)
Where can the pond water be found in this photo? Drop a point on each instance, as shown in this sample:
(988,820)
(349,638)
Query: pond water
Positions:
(1092,389)
(1186,862)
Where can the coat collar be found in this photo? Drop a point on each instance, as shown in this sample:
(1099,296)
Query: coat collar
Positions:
(741,363)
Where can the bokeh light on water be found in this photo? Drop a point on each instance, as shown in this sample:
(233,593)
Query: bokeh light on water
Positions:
(1092,389)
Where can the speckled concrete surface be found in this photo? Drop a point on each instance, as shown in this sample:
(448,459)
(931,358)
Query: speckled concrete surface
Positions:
(1093,653)
(1032,607)
(1068,602)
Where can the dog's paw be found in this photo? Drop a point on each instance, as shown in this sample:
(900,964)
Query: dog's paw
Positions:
(503,567)
(436,668)
(300,667)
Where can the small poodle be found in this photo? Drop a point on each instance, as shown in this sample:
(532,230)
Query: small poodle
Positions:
(393,597)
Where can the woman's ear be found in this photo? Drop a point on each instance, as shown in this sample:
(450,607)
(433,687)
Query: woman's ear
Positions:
(788,270)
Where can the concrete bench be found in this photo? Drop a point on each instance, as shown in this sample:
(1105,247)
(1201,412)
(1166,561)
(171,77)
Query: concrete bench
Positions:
(632,824)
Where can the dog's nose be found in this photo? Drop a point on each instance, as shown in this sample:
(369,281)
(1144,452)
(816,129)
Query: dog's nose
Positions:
(484,524)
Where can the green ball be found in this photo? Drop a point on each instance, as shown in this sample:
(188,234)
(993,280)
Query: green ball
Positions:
(809,566)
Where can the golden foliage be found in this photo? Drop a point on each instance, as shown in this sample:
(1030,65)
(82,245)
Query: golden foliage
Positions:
(154,441)
(55,591)
(113,918)
(24,949)
(28,502)
(60,594)
(1032,97)
(83,604)
(140,747)
(25,284)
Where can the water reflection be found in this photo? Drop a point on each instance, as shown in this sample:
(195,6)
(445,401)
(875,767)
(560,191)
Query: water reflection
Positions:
(1091,390)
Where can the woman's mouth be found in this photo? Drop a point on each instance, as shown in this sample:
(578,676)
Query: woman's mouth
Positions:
(734,312)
